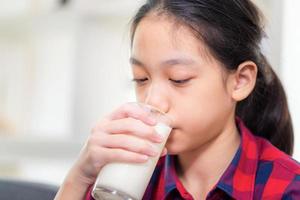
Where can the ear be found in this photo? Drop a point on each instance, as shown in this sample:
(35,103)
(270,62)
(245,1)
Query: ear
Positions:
(243,80)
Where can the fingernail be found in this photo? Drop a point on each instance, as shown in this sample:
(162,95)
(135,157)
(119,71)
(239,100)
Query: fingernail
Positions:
(144,157)
(153,121)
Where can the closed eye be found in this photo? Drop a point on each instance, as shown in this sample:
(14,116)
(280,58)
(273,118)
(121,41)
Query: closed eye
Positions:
(180,81)
(141,80)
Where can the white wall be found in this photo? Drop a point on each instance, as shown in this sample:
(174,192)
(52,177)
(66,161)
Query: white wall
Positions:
(102,66)
(60,71)
(54,41)
(291,64)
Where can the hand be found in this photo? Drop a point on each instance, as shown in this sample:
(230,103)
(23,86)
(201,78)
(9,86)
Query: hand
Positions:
(126,135)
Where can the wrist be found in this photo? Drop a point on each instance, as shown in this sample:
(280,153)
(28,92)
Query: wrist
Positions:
(79,179)
(73,188)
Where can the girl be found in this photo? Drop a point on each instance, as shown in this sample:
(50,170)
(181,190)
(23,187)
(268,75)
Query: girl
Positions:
(200,62)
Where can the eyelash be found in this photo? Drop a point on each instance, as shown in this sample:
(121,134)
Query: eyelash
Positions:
(141,81)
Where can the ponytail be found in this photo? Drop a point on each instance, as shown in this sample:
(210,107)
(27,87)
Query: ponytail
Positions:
(265,112)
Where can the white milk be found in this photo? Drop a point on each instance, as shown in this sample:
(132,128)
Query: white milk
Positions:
(129,180)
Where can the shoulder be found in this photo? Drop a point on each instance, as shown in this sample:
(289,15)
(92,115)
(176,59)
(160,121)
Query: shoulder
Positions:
(282,161)
(293,190)
(277,170)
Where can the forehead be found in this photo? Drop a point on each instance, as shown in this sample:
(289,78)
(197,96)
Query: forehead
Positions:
(158,36)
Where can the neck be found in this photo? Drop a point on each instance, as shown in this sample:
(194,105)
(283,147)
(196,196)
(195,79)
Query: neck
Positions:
(201,168)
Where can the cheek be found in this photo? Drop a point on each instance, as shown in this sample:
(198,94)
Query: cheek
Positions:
(200,119)
(213,99)
(204,108)
(200,110)
(204,100)
(140,93)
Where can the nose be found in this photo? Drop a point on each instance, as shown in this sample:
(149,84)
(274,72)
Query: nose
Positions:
(158,97)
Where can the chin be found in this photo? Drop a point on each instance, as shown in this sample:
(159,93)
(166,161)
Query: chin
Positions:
(172,144)
(173,148)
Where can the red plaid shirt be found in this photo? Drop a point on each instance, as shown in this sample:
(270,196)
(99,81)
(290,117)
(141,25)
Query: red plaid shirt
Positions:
(258,171)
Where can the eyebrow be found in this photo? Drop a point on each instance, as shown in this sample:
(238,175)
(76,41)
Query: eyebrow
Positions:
(169,62)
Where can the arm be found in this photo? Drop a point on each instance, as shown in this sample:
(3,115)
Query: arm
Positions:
(73,187)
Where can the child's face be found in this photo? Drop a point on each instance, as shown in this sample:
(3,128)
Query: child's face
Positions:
(201,106)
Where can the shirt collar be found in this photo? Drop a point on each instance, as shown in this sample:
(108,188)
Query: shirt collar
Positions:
(172,180)
(239,178)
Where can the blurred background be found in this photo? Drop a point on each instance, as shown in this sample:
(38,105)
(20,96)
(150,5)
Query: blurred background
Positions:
(64,64)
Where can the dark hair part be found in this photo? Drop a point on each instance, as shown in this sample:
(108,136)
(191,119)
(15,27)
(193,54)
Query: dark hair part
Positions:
(232,31)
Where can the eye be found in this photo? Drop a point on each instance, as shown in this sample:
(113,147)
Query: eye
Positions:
(180,81)
(139,80)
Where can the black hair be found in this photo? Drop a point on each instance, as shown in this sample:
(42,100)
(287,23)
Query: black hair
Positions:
(232,30)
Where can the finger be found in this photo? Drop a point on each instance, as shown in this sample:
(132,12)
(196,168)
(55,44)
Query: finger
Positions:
(98,157)
(133,127)
(121,155)
(133,110)
(130,143)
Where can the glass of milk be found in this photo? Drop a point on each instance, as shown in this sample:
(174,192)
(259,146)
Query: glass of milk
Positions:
(127,181)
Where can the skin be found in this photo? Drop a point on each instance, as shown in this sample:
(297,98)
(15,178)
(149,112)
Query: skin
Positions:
(175,72)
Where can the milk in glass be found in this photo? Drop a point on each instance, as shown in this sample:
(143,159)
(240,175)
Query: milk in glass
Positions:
(126,181)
